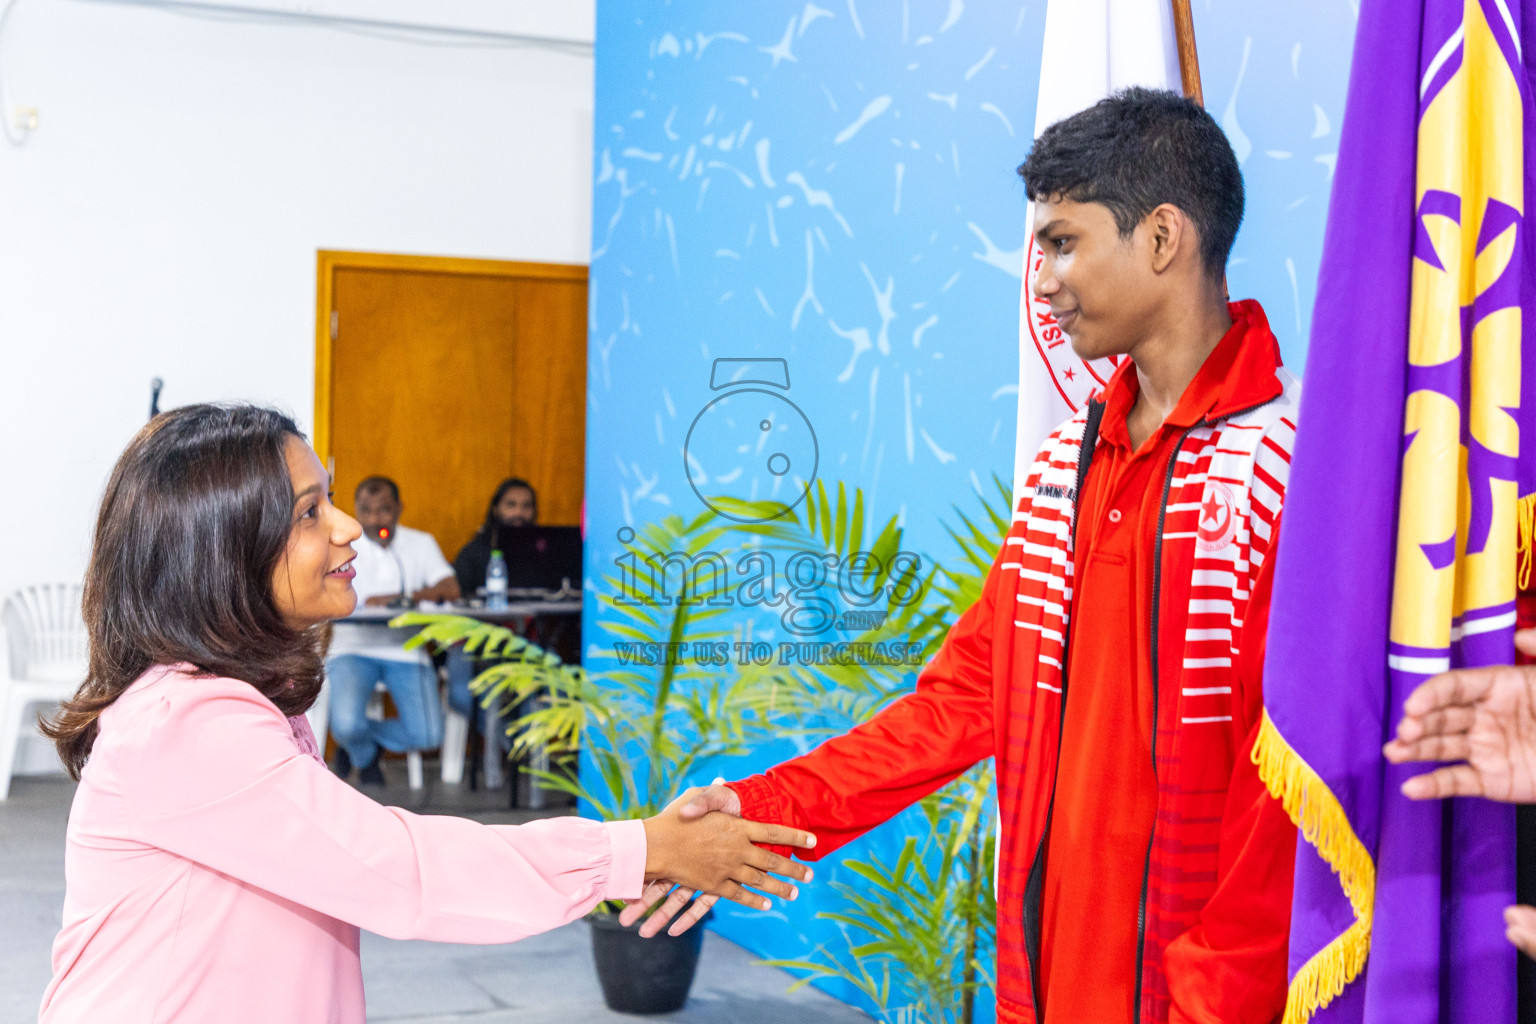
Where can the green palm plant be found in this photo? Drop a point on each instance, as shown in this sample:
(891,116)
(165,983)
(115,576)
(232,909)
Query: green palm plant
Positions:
(841,694)
(930,915)
(978,544)
(647,723)
(917,935)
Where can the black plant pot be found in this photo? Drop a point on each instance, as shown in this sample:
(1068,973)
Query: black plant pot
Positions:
(643,975)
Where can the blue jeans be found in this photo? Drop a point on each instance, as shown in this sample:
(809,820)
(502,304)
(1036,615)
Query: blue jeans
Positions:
(461,669)
(413,688)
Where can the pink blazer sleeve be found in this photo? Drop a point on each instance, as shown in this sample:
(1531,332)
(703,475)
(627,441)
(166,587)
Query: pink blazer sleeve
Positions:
(218,779)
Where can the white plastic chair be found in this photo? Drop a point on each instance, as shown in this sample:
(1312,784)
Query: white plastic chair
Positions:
(413,773)
(455,742)
(48,649)
(319,716)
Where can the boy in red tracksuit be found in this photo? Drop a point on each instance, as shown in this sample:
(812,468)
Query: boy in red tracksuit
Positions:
(1113,664)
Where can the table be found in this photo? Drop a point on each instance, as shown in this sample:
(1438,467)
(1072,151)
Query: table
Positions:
(517,616)
(515,611)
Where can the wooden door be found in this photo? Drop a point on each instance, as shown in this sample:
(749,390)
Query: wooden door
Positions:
(449,376)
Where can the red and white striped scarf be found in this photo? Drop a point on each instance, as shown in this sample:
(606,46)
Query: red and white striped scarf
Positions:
(1222,506)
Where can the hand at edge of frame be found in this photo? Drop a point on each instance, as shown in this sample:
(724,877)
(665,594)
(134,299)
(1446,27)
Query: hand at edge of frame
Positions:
(1485,720)
(1520,928)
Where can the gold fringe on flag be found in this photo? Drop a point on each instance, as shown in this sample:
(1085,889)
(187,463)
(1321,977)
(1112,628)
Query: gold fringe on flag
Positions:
(1322,821)
(1525,517)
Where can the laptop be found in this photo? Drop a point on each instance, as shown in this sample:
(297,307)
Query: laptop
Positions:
(542,557)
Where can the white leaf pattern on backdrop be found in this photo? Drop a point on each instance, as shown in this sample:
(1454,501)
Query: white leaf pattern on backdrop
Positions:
(729,221)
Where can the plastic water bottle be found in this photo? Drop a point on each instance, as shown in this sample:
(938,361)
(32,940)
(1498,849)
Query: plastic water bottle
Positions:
(496,583)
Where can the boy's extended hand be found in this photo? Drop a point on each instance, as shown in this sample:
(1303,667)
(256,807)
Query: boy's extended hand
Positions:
(699,849)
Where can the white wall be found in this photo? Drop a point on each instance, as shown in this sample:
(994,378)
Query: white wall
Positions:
(164,218)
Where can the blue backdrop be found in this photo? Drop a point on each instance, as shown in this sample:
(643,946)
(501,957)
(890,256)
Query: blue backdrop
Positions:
(834,186)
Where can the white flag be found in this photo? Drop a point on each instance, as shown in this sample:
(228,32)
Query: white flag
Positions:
(1092,48)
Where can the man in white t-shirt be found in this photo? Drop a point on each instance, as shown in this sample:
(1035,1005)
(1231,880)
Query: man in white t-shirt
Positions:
(393,562)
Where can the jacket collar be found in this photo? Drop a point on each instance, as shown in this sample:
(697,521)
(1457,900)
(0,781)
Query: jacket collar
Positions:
(1239,374)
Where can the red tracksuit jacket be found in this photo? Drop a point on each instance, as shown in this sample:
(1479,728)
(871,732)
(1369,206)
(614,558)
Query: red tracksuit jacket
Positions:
(1217,888)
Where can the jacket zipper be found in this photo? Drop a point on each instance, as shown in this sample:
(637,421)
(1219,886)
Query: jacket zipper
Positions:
(1157,600)
(1085,459)
(1157,583)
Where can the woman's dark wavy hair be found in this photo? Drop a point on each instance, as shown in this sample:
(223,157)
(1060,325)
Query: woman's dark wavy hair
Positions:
(1136,150)
(194,522)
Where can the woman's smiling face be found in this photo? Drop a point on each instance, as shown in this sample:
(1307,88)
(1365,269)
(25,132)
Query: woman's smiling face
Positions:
(312,583)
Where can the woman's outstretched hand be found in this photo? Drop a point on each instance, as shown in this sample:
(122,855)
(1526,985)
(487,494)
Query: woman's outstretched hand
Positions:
(668,898)
(715,853)
(1483,718)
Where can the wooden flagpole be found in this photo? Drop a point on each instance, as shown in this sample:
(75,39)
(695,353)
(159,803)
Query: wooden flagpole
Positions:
(1189,60)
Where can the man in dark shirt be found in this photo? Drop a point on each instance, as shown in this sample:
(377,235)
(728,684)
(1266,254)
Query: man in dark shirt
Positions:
(513,506)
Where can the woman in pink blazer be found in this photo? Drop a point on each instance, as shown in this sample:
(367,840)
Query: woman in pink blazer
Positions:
(215,870)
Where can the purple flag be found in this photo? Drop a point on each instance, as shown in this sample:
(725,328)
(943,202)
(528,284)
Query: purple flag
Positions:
(1398,552)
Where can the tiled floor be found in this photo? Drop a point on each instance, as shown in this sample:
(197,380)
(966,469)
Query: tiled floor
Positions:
(542,980)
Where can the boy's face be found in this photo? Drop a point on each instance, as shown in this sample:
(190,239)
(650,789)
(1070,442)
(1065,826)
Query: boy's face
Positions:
(1100,285)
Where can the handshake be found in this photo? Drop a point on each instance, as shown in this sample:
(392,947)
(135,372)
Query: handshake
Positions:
(700,846)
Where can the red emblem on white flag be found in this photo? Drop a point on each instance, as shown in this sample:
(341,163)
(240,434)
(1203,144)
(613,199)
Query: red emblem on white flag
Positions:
(1091,49)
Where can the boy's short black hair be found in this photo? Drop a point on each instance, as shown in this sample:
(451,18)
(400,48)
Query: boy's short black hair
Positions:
(1137,149)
